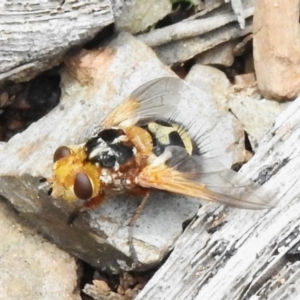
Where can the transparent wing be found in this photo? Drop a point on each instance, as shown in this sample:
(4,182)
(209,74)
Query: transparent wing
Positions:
(155,99)
(200,177)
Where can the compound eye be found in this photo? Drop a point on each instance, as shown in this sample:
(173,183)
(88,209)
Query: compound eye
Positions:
(83,188)
(61,152)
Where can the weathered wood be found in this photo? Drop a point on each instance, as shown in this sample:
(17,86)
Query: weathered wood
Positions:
(182,41)
(276,49)
(238,9)
(35,35)
(255,253)
(190,28)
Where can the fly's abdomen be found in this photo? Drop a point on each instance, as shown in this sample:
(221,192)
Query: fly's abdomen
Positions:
(165,134)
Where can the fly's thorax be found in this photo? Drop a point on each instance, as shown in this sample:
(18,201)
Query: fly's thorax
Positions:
(165,133)
(73,177)
(110,148)
(120,154)
(118,181)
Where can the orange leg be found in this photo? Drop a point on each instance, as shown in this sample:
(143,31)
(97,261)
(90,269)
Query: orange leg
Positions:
(132,222)
(139,191)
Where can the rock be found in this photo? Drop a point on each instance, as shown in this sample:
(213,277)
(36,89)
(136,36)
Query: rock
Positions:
(138,15)
(100,290)
(256,114)
(215,83)
(93,82)
(219,55)
(32,268)
(243,81)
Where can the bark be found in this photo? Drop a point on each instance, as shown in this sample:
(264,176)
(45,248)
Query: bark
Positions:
(254,254)
(35,35)
(277,48)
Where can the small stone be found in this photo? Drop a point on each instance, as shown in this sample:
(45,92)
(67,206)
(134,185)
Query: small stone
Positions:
(220,55)
(215,83)
(211,80)
(244,80)
(257,115)
(101,285)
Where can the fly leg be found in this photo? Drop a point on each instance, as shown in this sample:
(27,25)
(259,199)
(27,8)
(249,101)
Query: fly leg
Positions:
(131,224)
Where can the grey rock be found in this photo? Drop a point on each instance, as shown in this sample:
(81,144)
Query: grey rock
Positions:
(31,267)
(93,82)
(215,83)
(256,114)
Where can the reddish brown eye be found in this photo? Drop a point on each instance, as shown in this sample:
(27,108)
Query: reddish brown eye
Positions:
(61,152)
(83,188)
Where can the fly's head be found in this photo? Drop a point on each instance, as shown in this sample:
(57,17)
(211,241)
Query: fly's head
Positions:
(73,177)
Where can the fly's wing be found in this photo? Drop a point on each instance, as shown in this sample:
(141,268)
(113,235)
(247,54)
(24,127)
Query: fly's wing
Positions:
(157,98)
(200,177)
